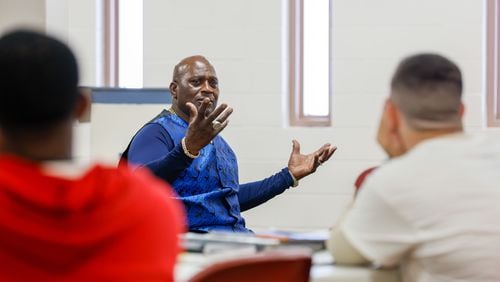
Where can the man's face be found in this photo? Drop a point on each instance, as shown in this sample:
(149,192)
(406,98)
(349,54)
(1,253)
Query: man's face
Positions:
(196,80)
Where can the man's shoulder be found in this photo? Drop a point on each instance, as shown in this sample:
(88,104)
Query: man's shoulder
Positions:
(168,122)
(393,178)
(152,129)
(162,114)
(156,122)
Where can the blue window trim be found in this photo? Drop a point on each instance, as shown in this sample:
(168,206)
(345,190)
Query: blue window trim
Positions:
(102,95)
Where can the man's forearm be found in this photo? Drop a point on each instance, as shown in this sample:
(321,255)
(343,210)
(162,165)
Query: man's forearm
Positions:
(341,249)
(255,193)
(172,165)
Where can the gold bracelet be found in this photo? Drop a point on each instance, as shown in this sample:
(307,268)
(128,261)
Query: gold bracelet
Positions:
(186,151)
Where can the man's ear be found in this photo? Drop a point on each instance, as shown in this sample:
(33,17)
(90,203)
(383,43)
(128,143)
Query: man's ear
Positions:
(389,135)
(461,110)
(173,89)
(82,107)
(392,116)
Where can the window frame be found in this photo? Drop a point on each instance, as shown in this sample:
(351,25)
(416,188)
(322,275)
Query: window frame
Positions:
(294,67)
(492,63)
(111,51)
(111,47)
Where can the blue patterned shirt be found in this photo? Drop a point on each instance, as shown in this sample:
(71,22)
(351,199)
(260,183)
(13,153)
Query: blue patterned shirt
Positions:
(208,185)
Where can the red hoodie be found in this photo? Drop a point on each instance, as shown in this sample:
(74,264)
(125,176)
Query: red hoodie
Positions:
(106,224)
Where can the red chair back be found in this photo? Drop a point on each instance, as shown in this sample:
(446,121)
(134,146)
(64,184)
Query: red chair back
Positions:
(275,266)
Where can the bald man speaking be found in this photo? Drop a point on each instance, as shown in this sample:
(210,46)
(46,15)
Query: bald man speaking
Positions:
(182,146)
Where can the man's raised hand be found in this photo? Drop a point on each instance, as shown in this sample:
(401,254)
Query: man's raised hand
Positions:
(205,125)
(303,165)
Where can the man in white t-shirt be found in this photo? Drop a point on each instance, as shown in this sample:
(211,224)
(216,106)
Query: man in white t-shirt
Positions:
(434,208)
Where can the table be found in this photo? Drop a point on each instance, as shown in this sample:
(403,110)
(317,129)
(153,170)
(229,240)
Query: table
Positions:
(338,273)
(323,270)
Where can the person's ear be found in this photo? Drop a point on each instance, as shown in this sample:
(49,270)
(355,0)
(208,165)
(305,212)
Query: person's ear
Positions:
(173,89)
(389,135)
(392,116)
(461,110)
(383,127)
(82,107)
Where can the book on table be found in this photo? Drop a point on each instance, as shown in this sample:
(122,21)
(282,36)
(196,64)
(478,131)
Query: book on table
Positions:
(220,241)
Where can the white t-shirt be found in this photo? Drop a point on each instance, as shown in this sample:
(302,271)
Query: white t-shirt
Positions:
(434,211)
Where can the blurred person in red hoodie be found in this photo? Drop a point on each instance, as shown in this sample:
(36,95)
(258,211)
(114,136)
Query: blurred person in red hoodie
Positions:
(61,220)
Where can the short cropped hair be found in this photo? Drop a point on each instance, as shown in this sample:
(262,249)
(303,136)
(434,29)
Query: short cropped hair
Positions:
(427,88)
(38,81)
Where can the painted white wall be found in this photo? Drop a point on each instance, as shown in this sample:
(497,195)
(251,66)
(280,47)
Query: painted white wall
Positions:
(113,125)
(76,22)
(243,41)
(21,14)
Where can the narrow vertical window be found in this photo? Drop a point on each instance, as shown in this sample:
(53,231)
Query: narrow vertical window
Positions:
(130,38)
(110,43)
(493,63)
(308,62)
